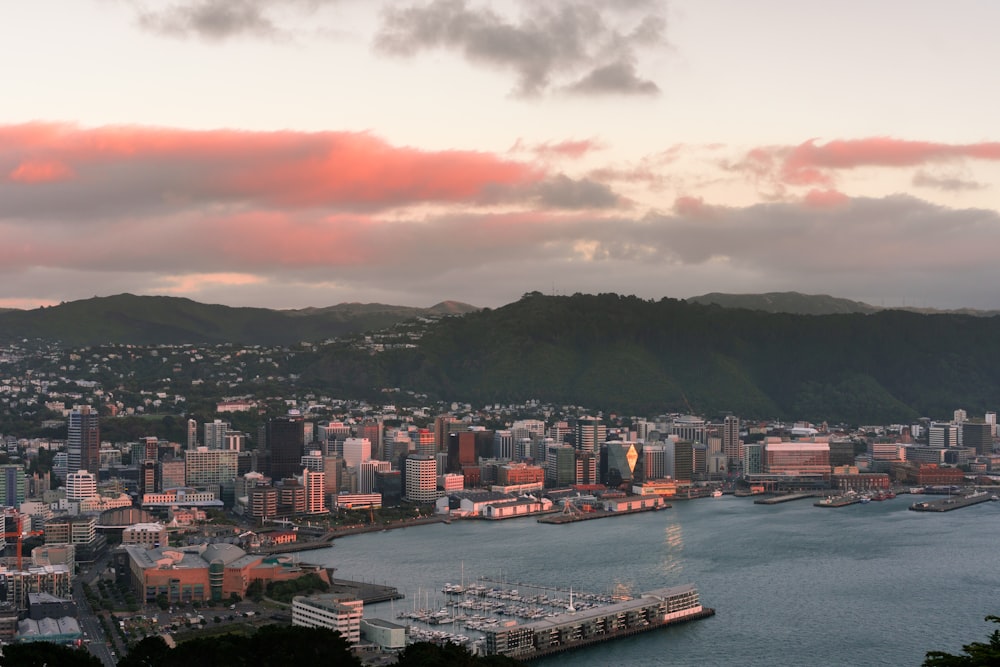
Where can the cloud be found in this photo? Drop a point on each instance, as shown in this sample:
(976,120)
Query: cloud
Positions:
(926,179)
(577,46)
(569,149)
(218,20)
(816,165)
(566,193)
(116,172)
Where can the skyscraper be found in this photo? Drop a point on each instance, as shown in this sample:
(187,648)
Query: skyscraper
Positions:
(286,444)
(215,434)
(731,440)
(590,434)
(83,440)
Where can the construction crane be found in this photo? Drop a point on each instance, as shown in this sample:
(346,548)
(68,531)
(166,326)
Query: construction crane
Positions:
(20,538)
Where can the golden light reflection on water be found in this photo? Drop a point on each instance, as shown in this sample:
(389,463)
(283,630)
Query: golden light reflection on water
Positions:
(673,546)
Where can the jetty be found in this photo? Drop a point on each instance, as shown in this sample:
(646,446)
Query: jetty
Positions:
(786,498)
(952,502)
(838,501)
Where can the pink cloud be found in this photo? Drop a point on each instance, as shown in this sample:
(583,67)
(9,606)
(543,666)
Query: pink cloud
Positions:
(825,199)
(40,171)
(814,164)
(297,169)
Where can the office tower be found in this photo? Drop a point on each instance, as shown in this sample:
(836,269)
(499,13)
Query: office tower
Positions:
(976,434)
(753,459)
(356,450)
(192,434)
(445,425)
(83,440)
(215,434)
(618,462)
(421,479)
(684,460)
(424,441)
(503,445)
(689,427)
(654,459)
(589,434)
(13,485)
(942,435)
(560,432)
(172,474)
(315,491)
(235,441)
(81,485)
(560,465)
(286,444)
(731,440)
(368,473)
(991,419)
(373,430)
(208,468)
(313,461)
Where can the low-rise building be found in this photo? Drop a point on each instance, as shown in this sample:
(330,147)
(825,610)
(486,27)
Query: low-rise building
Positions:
(331,611)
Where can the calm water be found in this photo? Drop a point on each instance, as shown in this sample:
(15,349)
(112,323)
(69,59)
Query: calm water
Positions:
(792,584)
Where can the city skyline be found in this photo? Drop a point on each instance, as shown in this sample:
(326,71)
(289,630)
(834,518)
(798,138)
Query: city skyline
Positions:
(294,153)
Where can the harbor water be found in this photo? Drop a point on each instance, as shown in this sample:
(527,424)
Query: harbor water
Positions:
(792,584)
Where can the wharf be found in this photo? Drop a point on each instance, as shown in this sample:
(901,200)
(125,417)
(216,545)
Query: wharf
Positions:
(561,518)
(368,593)
(787,498)
(838,501)
(952,503)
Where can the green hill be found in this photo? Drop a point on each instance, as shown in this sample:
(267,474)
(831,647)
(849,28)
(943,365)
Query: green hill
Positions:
(143,320)
(628,355)
(786,302)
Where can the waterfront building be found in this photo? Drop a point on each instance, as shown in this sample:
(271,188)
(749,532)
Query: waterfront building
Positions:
(449,482)
(797,457)
(314,484)
(524,641)
(683,461)
(586,468)
(421,479)
(520,473)
(353,501)
(83,440)
(654,460)
(618,462)
(753,459)
(331,610)
(384,634)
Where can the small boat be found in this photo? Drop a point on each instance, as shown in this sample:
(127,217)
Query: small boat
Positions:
(717,493)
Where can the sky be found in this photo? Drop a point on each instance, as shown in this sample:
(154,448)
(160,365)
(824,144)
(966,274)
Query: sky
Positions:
(297,153)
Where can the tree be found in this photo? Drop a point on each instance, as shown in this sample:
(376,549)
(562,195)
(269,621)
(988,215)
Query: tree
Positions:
(976,654)
(41,654)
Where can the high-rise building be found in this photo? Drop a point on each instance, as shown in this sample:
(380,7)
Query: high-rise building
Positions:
(942,435)
(654,458)
(421,479)
(560,465)
(368,474)
(503,445)
(81,485)
(286,444)
(991,419)
(589,434)
(731,444)
(684,461)
(618,462)
(192,434)
(215,434)
(689,427)
(976,434)
(424,441)
(209,468)
(315,486)
(172,474)
(356,450)
(83,440)
(753,459)
(13,485)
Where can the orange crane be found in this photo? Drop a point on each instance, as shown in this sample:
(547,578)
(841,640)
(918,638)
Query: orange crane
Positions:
(20,538)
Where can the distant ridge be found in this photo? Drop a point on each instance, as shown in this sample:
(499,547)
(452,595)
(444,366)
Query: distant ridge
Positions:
(795,303)
(141,320)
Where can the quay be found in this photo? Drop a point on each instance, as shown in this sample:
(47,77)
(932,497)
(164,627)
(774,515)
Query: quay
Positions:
(577,628)
(952,502)
(838,501)
(366,592)
(787,498)
(561,517)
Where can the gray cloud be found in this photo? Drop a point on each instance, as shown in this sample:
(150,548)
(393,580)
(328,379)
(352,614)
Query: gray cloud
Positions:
(567,193)
(569,45)
(218,20)
(947,183)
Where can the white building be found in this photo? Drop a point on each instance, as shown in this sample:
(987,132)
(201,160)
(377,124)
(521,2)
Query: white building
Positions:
(329,611)
(368,472)
(80,485)
(421,479)
(148,535)
(356,450)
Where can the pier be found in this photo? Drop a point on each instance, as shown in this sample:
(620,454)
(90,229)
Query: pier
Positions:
(787,498)
(952,502)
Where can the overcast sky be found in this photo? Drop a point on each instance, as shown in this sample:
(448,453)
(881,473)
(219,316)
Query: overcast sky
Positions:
(293,153)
